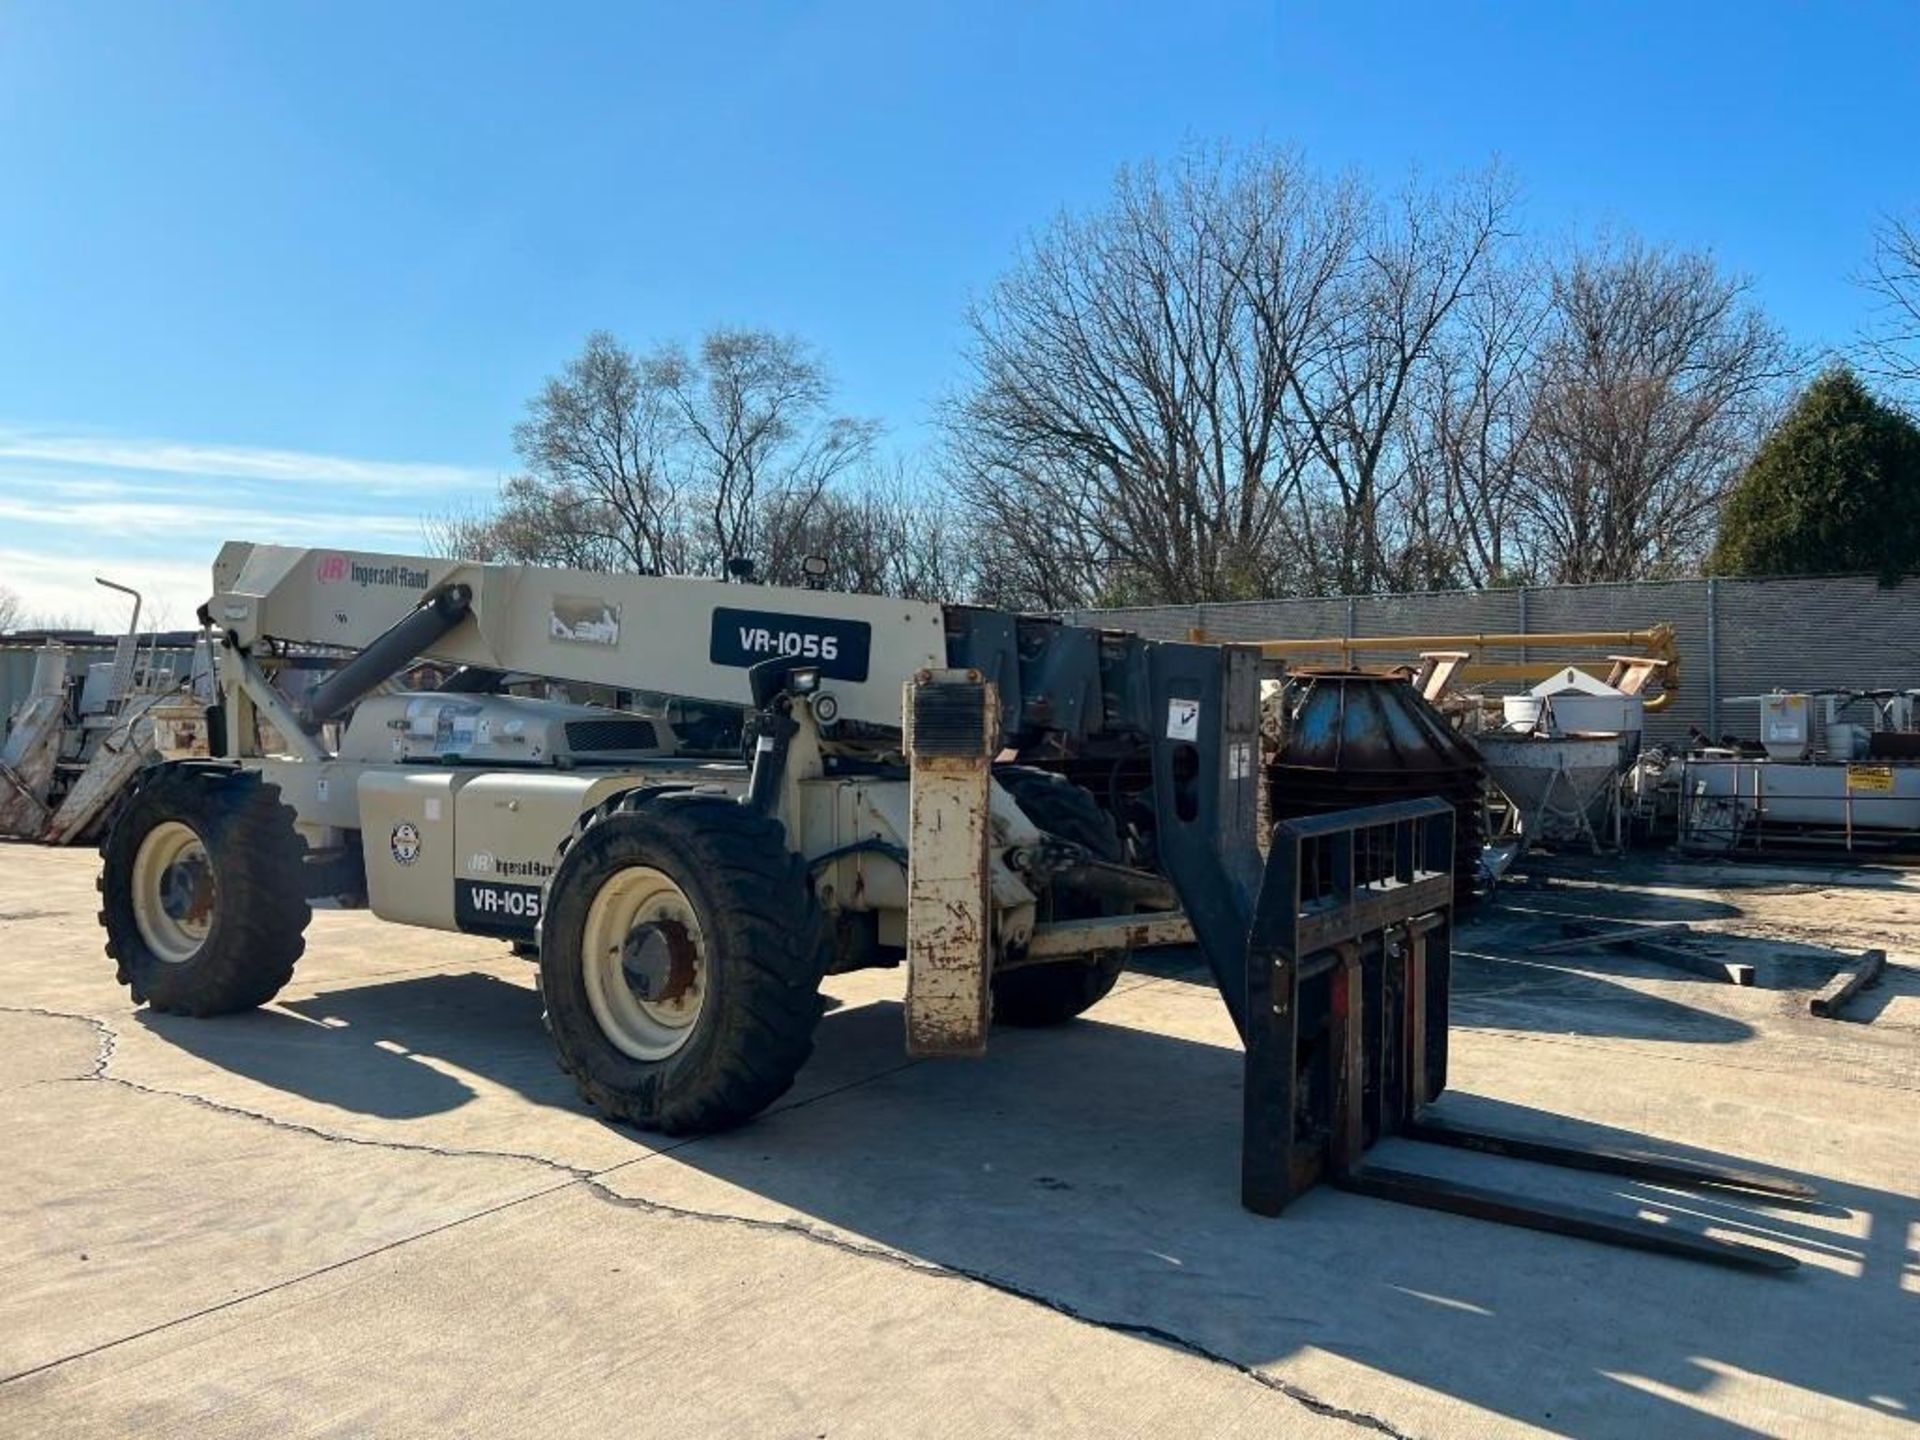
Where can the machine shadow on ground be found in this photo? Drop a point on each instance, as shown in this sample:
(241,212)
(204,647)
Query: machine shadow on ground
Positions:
(364,1048)
(1095,1167)
(1502,992)
(358,1048)
(1570,871)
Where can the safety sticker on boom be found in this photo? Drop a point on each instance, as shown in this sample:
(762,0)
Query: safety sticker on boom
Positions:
(743,638)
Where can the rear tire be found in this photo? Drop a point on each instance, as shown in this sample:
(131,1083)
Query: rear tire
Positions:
(680,961)
(1037,995)
(202,890)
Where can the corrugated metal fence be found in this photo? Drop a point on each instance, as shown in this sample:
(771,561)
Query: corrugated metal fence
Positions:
(1736,637)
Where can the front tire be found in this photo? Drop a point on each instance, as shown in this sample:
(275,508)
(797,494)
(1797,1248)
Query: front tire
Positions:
(680,961)
(202,891)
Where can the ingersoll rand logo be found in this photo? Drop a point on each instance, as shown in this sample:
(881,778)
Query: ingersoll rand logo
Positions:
(333,567)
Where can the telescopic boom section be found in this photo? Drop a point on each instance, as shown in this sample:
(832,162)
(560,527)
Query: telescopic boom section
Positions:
(693,638)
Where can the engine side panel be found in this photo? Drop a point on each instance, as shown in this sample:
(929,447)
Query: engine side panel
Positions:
(471,850)
(407,834)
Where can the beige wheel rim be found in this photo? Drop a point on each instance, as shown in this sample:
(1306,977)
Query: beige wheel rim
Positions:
(644,959)
(174,893)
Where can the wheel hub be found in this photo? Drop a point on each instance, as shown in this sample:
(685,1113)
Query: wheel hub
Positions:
(186,890)
(657,958)
(643,957)
(174,891)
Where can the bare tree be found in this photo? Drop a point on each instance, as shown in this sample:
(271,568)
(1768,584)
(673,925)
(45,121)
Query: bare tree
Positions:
(535,523)
(9,610)
(1466,434)
(599,488)
(1415,260)
(1195,393)
(754,440)
(1890,347)
(882,533)
(1657,377)
(1037,546)
(1292,257)
(668,463)
(1121,435)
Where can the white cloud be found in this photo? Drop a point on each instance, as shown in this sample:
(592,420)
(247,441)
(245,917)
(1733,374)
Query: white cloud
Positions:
(59,587)
(81,485)
(152,514)
(232,522)
(170,457)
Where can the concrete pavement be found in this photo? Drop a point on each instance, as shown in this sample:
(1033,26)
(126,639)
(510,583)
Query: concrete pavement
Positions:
(377,1207)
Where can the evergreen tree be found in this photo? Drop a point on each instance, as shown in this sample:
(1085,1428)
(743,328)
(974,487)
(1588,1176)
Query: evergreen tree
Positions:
(1835,487)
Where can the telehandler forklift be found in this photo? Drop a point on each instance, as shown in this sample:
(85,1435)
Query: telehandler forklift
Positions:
(891,796)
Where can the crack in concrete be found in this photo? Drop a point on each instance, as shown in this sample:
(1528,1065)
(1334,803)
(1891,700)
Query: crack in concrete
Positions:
(595,1184)
(108,1039)
(298,1127)
(793,1226)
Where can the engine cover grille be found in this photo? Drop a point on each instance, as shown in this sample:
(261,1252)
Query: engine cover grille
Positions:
(585,735)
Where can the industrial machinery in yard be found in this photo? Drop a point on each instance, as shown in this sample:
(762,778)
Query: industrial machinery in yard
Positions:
(1856,791)
(897,799)
(78,739)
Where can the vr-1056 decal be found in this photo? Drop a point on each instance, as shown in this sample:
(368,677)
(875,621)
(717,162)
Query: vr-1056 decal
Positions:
(744,638)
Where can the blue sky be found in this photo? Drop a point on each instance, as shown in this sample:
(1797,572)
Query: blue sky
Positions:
(289,271)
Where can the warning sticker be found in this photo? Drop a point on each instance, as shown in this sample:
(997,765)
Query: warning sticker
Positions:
(1870,779)
(1183,719)
(404,842)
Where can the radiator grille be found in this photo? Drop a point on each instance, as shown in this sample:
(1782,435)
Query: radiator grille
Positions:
(584,735)
(950,720)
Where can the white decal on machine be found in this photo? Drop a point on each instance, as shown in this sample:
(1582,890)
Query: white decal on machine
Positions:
(513,902)
(789,642)
(488,908)
(1183,719)
(404,842)
(584,620)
